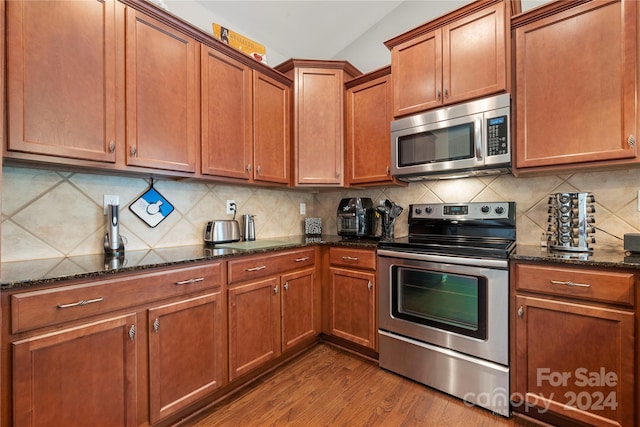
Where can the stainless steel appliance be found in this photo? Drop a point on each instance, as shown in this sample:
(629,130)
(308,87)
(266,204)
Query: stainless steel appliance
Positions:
(221,231)
(355,217)
(249,227)
(460,140)
(444,300)
(570,216)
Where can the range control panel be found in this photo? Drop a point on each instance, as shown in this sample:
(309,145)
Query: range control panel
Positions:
(468,211)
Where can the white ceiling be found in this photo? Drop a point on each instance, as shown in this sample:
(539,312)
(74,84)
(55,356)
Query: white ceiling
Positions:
(352,30)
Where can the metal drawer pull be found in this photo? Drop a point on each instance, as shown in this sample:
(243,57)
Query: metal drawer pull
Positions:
(369,285)
(521,312)
(132,332)
(81,303)
(156,325)
(302,259)
(350,258)
(581,285)
(188,282)
(262,267)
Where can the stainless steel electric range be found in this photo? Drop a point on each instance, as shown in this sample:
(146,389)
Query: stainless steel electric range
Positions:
(444,300)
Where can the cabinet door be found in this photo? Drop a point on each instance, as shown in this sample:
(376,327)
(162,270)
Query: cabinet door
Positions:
(161,95)
(226,115)
(298,308)
(186,349)
(254,325)
(576,355)
(417,74)
(77,376)
(474,55)
(353,306)
(271,129)
(368,129)
(575,85)
(319,126)
(61,82)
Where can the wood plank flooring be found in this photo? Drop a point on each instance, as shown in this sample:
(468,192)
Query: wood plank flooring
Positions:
(327,386)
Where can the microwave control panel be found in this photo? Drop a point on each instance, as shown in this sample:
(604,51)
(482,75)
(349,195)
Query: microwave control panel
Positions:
(497,136)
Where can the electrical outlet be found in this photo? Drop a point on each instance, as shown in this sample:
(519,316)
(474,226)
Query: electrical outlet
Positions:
(303,208)
(110,199)
(231,207)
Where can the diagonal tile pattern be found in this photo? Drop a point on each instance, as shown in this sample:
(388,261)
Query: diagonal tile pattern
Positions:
(51,214)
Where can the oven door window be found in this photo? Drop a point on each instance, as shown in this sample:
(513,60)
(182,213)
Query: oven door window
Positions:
(437,145)
(452,302)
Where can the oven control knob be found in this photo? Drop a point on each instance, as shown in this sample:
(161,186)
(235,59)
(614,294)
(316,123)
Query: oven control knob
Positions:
(499,210)
(419,210)
(485,209)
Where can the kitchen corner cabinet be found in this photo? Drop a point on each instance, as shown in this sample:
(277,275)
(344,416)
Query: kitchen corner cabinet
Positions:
(583,113)
(352,308)
(245,121)
(61,79)
(461,56)
(272,307)
(161,95)
(573,354)
(368,115)
(318,120)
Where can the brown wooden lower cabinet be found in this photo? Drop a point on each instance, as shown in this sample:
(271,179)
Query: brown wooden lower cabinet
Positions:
(573,354)
(351,303)
(186,348)
(76,376)
(254,316)
(269,317)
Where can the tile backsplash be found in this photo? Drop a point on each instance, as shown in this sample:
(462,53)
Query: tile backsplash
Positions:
(49,214)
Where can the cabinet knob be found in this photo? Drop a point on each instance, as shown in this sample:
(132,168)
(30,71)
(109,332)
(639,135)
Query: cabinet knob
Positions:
(438,95)
(132,332)
(369,285)
(388,170)
(275,289)
(112,146)
(133,151)
(521,312)
(156,325)
(286,286)
(258,169)
(249,167)
(631,140)
(446,93)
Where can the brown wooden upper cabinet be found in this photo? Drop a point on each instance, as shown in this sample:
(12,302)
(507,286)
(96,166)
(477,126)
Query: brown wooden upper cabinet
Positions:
(368,116)
(245,121)
(460,56)
(161,95)
(576,85)
(61,79)
(318,120)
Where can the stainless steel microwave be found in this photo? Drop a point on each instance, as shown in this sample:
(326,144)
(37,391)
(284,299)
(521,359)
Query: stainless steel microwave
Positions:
(467,139)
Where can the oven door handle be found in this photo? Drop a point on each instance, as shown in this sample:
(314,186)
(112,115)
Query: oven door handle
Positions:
(476,262)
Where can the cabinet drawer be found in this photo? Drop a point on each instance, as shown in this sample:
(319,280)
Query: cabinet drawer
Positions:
(258,266)
(45,307)
(606,286)
(349,257)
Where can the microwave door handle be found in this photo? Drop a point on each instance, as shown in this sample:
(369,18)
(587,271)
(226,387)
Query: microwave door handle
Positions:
(478,129)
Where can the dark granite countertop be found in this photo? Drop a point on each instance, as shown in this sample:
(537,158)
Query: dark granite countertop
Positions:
(22,274)
(607,258)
